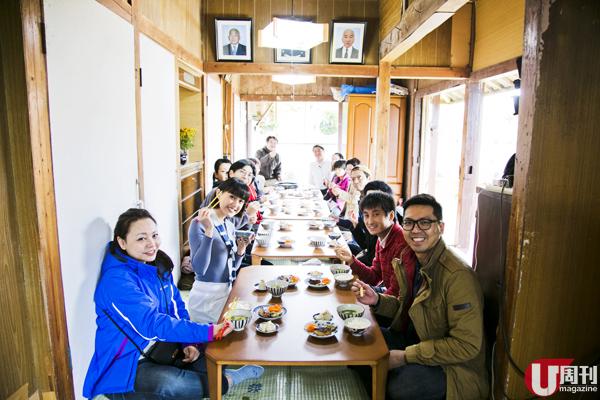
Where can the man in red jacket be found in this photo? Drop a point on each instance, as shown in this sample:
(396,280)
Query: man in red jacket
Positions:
(378,209)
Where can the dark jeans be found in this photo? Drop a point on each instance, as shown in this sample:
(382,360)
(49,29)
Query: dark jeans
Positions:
(165,382)
(412,381)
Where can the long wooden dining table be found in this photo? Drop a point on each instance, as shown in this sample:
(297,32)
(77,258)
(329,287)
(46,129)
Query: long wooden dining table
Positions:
(291,345)
(300,232)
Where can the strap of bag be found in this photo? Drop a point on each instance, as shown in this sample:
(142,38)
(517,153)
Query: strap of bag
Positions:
(142,352)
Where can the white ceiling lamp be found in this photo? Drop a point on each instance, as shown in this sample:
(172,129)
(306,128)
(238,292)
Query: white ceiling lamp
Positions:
(294,79)
(292,34)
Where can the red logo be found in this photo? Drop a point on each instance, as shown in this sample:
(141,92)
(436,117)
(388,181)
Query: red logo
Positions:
(543,376)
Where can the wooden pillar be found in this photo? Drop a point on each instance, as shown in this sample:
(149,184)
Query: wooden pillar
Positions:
(551,304)
(34,349)
(382,121)
(136,14)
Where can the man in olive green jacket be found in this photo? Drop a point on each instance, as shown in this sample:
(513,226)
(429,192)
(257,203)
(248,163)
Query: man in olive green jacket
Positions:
(446,314)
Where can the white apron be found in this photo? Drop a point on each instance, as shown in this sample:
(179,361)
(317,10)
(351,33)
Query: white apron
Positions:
(207,300)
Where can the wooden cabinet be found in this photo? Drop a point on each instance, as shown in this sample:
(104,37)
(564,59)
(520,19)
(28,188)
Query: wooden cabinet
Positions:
(361,128)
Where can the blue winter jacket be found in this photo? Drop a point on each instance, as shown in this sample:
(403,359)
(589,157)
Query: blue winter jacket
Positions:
(148,307)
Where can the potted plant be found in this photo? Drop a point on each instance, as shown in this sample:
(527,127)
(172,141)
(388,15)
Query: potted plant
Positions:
(186,142)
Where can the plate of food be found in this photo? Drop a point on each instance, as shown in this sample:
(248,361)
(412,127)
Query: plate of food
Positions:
(260,286)
(269,312)
(318,283)
(323,316)
(292,280)
(285,242)
(267,328)
(321,329)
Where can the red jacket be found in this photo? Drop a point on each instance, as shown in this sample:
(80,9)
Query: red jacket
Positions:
(381,270)
(254,197)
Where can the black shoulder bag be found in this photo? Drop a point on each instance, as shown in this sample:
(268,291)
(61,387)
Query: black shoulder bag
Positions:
(163,353)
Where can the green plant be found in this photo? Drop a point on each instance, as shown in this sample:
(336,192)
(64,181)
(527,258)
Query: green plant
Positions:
(186,138)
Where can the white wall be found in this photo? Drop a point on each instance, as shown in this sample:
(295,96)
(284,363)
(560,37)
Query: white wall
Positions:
(92,120)
(159,143)
(213,117)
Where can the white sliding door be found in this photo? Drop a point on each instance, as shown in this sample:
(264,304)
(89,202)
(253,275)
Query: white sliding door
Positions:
(159,143)
(90,58)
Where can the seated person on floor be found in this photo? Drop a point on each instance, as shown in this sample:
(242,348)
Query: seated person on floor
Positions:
(216,253)
(319,170)
(243,170)
(341,180)
(442,353)
(258,180)
(221,172)
(363,243)
(270,163)
(136,299)
(379,213)
(351,163)
(359,177)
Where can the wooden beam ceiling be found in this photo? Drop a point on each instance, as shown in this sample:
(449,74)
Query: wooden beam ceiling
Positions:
(419,19)
(356,71)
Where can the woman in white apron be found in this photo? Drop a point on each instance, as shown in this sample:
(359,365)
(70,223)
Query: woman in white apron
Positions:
(215,251)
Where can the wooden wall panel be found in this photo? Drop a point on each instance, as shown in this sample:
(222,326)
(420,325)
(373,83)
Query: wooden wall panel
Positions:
(322,11)
(498,31)
(180,19)
(390,12)
(432,51)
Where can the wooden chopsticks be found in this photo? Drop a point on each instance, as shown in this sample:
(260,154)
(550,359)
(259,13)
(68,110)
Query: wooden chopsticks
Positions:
(215,200)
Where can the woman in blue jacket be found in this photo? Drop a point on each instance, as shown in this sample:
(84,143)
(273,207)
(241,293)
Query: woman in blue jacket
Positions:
(136,300)
(215,251)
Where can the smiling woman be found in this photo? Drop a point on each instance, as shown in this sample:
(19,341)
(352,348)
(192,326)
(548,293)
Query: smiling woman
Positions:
(216,257)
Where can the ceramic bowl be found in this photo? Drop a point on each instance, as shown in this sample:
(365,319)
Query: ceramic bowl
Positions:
(346,311)
(239,318)
(357,326)
(263,241)
(343,280)
(340,269)
(277,287)
(317,241)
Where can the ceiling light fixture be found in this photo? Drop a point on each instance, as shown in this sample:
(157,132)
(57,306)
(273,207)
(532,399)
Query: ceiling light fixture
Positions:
(292,34)
(294,79)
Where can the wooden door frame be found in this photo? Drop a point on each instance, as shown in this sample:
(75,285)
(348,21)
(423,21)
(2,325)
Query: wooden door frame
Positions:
(35,124)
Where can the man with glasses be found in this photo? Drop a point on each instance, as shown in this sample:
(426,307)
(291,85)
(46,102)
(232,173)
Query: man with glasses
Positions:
(443,353)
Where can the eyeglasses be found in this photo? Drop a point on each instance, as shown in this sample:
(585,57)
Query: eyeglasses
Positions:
(423,224)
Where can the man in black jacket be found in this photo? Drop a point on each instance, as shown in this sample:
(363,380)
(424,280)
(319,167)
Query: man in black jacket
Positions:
(270,164)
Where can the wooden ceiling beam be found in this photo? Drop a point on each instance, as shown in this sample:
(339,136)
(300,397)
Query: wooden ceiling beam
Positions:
(354,71)
(366,71)
(419,19)
(399,72)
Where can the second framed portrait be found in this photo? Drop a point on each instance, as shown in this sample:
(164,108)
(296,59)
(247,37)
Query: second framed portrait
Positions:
(347,42)
(292,56)
(233,39)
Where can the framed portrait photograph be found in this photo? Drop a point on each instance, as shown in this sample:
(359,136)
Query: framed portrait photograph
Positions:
(292,56)
(233,39)
(347,42)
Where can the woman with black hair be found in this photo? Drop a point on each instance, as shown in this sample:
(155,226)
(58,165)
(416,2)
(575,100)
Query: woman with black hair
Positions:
(243,170)
(216,253)
(137,303)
